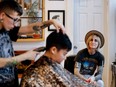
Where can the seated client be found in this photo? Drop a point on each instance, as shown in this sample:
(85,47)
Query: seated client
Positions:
(47,71)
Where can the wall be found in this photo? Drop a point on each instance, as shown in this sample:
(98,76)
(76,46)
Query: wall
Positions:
(111,34)
(112,29)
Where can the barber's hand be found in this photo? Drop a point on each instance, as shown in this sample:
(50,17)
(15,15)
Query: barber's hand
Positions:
(30,55)
(58,26)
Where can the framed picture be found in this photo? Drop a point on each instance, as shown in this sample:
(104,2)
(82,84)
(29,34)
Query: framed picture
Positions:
(59,15)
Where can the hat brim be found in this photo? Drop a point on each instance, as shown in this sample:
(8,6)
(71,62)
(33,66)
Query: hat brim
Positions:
(95,32)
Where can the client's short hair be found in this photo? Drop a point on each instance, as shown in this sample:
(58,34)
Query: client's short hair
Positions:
(59,40)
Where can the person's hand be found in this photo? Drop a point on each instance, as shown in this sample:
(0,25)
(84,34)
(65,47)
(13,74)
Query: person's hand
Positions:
(58,26)
(30,55)
(91,79)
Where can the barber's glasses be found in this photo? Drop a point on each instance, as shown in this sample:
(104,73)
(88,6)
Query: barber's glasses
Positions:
(15,20)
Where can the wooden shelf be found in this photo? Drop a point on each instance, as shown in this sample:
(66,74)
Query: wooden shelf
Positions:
(30,40)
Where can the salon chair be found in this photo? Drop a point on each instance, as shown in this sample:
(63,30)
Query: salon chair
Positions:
(69,63)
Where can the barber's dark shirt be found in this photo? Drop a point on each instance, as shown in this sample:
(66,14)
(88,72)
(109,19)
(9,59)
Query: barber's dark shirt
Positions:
(8,76)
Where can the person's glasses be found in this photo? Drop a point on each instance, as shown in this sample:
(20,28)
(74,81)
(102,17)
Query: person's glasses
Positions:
(15,20)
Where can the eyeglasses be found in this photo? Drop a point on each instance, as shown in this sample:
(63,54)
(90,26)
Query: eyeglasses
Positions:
(15,20)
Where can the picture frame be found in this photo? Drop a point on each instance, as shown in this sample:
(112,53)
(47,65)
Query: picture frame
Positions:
(59,15)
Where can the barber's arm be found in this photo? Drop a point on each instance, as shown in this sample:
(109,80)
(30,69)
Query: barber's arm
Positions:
(77,69)
(29,55)
(31,28)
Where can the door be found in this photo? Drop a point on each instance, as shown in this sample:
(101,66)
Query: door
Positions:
(88,15)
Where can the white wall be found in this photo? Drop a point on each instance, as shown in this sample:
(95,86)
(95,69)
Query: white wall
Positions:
(112,28)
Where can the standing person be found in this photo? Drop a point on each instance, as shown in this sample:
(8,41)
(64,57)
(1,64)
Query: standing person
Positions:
(47,71)
(10,12)
(89,61)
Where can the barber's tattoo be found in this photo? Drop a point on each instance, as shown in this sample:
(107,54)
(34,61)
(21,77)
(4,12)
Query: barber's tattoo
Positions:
(36,28)
(12,63)
(44,25)
(9,64)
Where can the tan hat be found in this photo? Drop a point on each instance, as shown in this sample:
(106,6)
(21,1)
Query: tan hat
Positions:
(95,32)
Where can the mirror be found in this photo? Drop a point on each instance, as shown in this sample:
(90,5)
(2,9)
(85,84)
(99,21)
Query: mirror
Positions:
(33,11)
(31,8)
